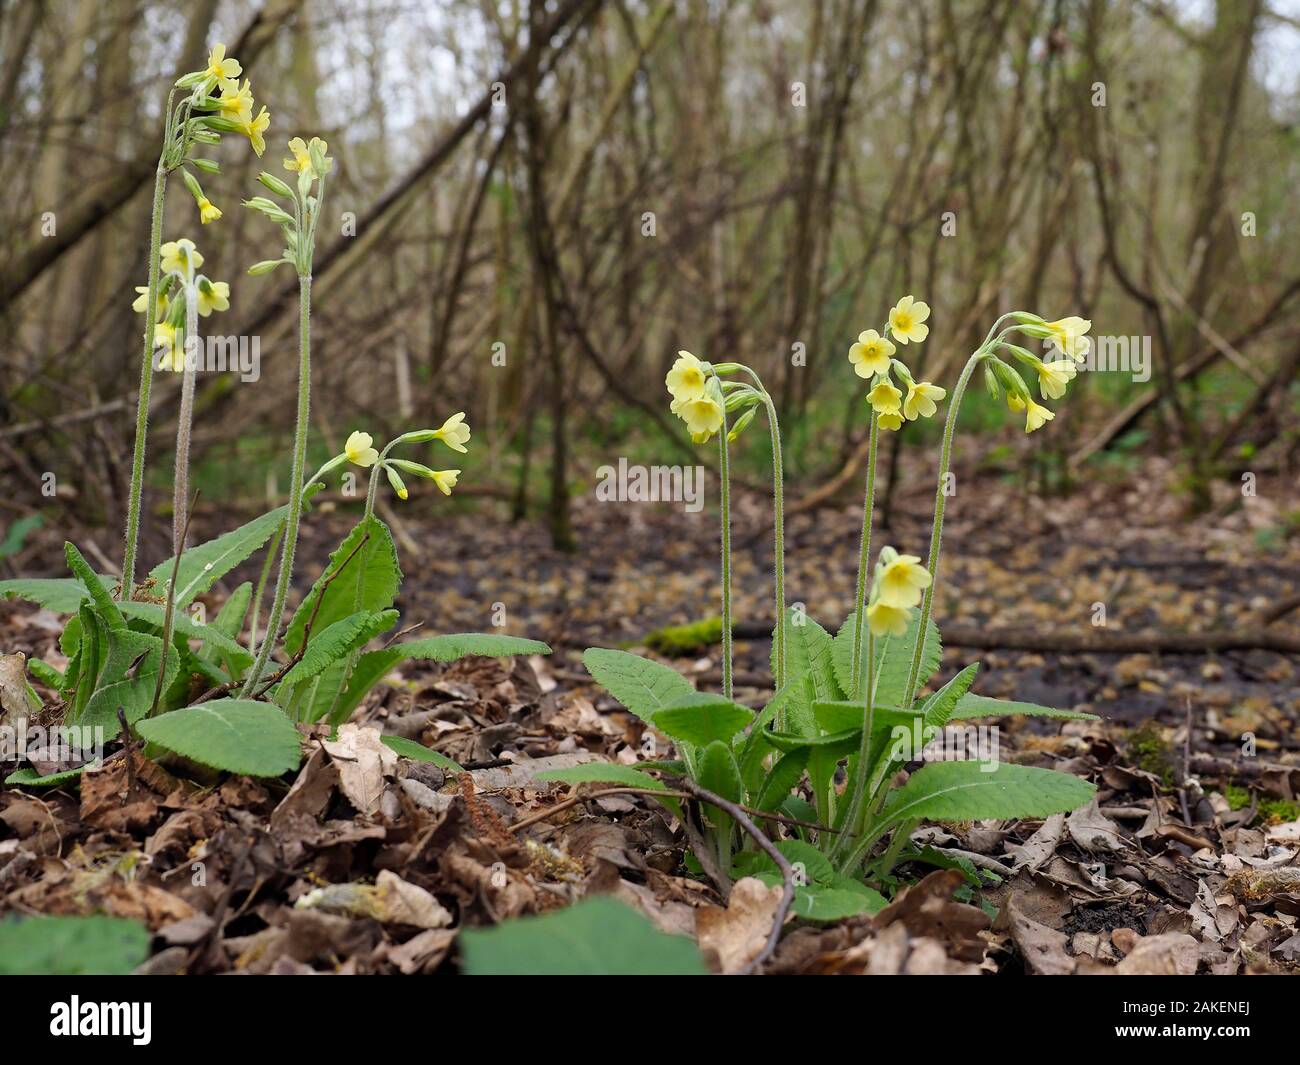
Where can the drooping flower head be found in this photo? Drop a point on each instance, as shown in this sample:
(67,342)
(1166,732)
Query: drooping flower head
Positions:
(886,620)
(921,399)
(1035,416)
(1069,336)
(703,416)
(359,450)
(212,296)
(180,257)
(454,433)
(907,318)
(219,66)
(236,102)
(446,480)
(900,578)
(686,379)
(255,129)
(1053,377)
(884,397)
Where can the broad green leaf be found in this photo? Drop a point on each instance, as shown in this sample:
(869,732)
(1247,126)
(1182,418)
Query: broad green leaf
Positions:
(755,748)
(639,684)
(202,566)
(337,641)
(893,660)
(702,719)
(938,708)
(236,735)
(371,667)
(972,705)
(128,678)
(71,946)
(367,579)
(60,594)
(595,937)
(970,791)
(842,715)
(419,752)
(836,903)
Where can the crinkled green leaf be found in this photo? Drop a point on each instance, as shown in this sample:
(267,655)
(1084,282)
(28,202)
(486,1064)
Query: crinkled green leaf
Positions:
(236,735)
(639,684)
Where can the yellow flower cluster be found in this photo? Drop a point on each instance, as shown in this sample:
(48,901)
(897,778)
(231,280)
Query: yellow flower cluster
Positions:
(1067,337)
(896,589)
(872,357)
(360,451)
(179,260)
(697,398)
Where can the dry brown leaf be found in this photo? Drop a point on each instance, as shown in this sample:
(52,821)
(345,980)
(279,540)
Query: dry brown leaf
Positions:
(733,937)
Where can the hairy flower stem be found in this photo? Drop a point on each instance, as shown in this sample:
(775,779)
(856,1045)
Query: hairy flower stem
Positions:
(146,381)
(185,423)
(295,482)
(851,824)
(724,507)
(936,532)
(864,556)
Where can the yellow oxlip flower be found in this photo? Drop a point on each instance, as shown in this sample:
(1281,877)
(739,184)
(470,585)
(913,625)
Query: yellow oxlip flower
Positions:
(219,66)
(702,415)
(454,433)
(446,480)
(1036,417)
(886,620)
(1068,336)
(1054,376)
(686,379)
(254,128)
(906,318)
(143,298)
(359,451)
(892,422)
(301,160)
(213,296)
(884,398)
(921,399)
(180,257)
(207,212)
(871,354)
(165,337)
(901,581)
(236,102)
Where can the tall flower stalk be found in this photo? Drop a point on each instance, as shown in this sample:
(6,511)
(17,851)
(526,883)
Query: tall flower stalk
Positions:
(311,164)
(198,119)
(1068,336)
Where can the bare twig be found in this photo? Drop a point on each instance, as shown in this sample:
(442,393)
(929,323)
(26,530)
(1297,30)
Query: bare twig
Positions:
(766,846)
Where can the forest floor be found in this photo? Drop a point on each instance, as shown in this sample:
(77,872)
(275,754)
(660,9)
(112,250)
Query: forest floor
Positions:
(1187,860)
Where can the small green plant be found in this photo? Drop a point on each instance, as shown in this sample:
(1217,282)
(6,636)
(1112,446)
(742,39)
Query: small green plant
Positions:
(851,701)
(142,654)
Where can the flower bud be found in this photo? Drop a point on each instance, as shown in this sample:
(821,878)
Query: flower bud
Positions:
(208,166)
(264,267)
(273,183)
(396,482)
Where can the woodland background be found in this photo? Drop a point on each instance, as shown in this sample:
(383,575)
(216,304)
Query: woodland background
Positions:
(499,160)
